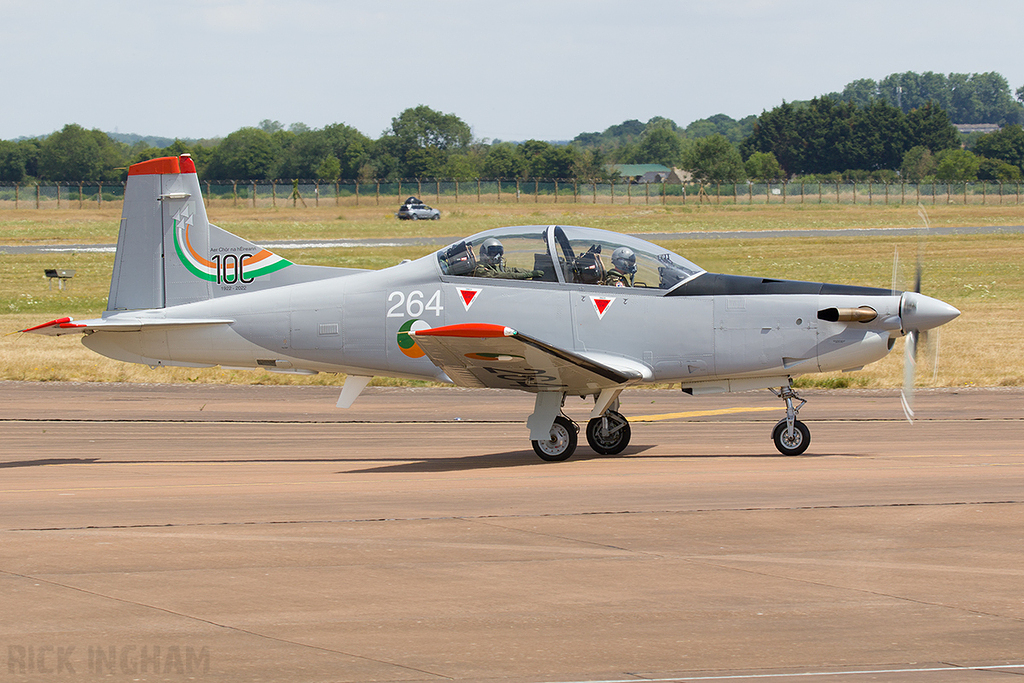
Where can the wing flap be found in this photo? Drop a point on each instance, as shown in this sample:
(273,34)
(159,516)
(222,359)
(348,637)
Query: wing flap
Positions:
(482,355)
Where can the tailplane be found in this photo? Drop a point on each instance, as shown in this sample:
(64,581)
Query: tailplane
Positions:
(168,253)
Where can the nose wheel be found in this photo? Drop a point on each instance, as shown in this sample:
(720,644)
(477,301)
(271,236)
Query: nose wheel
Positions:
(608,434)
(791,436)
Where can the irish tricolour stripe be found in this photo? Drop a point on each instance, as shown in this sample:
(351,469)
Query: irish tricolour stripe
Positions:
(243,265)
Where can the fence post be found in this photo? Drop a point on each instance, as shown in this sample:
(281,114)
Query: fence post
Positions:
(518,192)
(419,187)
(478,191)
(750,192)
(254,194)
(81,193)
(593,182)
(499,190)
(16,193)
(37,195)
(536,190)
(438,193)
(556,190)
(785,185)
(399,189)
(456,190)
(647,193)
(837,192)
(613,191)
(768,194)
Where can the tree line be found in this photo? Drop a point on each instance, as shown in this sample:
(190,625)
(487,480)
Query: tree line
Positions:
(898,128)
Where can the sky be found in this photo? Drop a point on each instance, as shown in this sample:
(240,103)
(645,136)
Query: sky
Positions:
(514,70)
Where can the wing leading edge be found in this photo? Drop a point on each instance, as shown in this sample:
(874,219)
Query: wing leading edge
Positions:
(497,357)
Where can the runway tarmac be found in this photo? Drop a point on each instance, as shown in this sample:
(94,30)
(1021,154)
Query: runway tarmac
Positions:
(236,533)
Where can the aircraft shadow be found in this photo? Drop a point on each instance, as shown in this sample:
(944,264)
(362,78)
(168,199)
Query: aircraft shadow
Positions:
(49,461)
(527,458)
(486,461)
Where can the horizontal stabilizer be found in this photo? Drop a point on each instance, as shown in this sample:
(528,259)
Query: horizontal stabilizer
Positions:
(55,328)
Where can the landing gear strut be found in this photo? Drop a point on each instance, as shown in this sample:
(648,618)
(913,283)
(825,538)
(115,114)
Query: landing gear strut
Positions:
(791,436)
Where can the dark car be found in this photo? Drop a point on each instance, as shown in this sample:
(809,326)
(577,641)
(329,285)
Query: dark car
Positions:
(413,209)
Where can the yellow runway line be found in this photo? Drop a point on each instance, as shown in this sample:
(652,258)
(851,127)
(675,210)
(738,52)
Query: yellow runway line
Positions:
(699,413)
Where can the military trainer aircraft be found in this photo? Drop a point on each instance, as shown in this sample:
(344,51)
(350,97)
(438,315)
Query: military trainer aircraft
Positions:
(548,309)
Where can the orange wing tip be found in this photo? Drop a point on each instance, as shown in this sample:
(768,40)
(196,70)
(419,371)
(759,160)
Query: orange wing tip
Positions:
(61,322)
(471,330)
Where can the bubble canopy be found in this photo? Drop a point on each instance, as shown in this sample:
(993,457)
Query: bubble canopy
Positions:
(567,255)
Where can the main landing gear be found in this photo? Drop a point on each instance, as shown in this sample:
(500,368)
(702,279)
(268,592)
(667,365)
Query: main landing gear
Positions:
(607,434)
(791,436)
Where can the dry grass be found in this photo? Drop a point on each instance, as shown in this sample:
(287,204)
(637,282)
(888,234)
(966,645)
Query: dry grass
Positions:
(981,275)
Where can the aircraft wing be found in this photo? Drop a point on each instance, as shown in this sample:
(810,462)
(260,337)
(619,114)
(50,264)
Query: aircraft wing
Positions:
(482,355)
(61,326)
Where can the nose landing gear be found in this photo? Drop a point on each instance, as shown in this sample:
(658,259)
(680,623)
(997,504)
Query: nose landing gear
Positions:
(791,436)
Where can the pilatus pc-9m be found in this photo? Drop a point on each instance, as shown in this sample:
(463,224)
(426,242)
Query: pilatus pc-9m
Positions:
(551,310)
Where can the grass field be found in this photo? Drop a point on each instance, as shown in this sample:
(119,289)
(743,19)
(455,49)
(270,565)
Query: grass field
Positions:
(982,275)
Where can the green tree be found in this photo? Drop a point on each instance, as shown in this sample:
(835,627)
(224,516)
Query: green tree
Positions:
(1005,145)
(918,163)
(660,145)
(958,165)
(930,127)
(74,153)
(763,166)
(715,159)
(778,131)
(421,139)
(12,162)
(997,169)
(246,154)
(329,168)
(503,162)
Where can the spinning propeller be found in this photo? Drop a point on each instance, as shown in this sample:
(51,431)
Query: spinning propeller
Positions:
(918,314)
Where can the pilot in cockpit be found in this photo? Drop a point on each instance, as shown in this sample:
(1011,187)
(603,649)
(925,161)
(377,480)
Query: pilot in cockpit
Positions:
(623,268)
(492,263)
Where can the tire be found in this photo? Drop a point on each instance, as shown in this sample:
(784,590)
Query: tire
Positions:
(613,441)
(795,446)
(414,217)
(562,443)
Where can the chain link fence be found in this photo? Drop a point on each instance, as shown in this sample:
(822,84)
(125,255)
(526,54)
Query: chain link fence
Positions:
(315,193)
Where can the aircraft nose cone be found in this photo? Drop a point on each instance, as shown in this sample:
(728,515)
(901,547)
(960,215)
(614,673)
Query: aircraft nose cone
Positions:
(920,312)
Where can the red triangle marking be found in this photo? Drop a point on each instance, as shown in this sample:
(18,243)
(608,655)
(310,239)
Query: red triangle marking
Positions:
(601,305)
(468,296)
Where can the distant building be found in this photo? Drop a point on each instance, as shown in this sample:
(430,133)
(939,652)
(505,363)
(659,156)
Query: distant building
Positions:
(643,173)
(977,127)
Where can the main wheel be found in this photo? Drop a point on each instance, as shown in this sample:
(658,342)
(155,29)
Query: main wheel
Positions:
(562,442)
(608,434)
(791,445)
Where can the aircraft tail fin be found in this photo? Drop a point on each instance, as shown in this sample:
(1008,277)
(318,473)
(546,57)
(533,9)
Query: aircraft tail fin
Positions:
(168,253)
